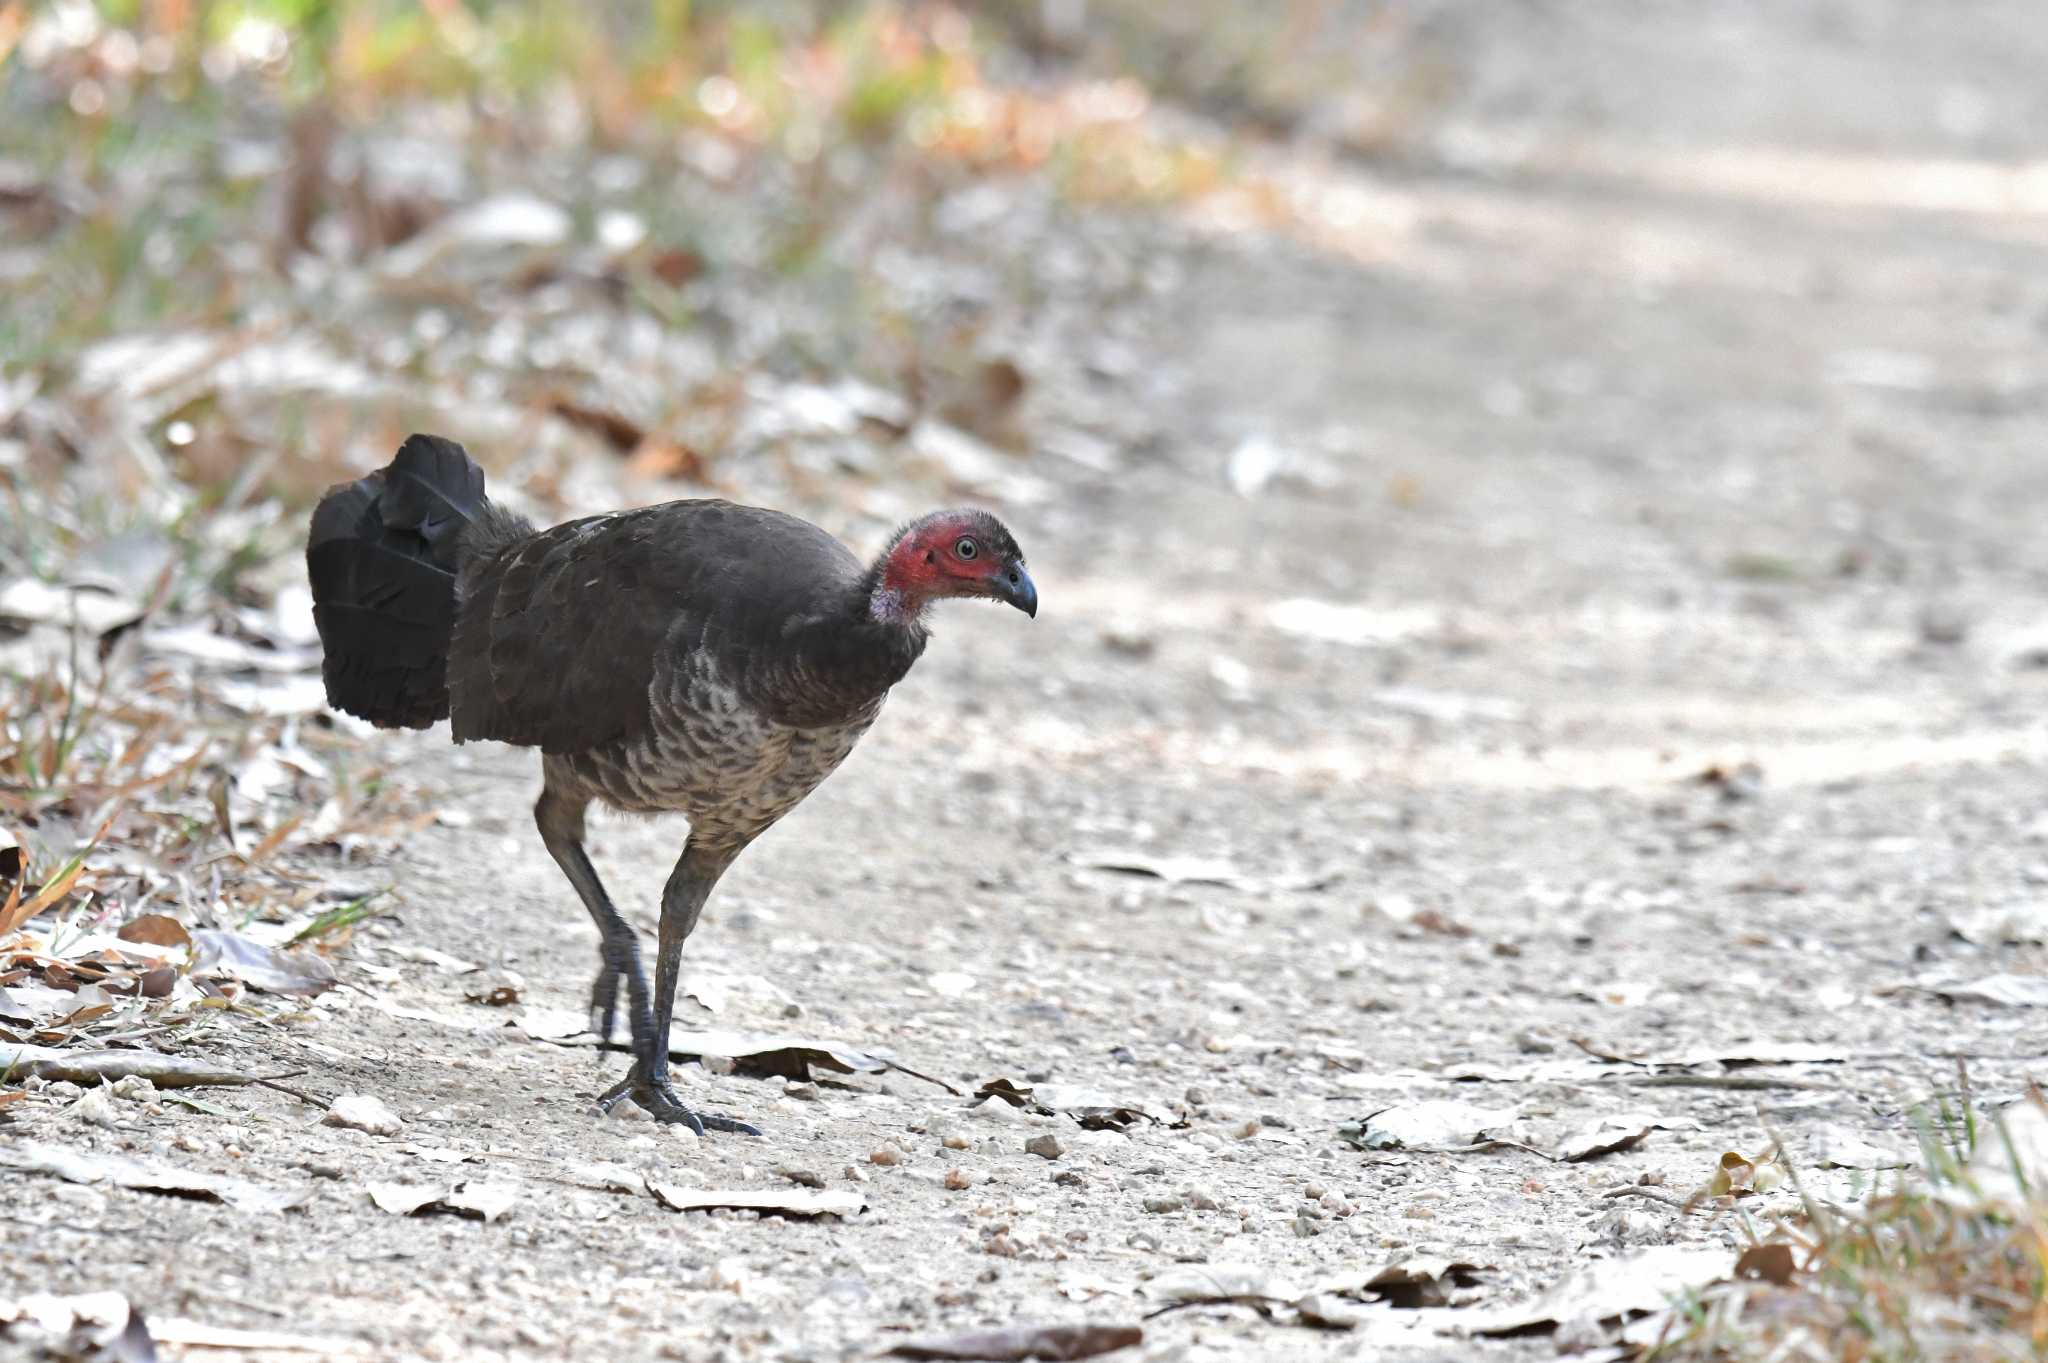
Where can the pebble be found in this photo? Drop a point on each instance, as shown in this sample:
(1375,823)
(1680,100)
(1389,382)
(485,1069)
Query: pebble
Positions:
(365,1112)
(1045,1147)
(884,1156)
(804,1092)
(1067,1178)
(1249,1129)
(97,1108)
(958,1180)
(956,1141)
(1200,1199)
(1197,1097)
(1159,1206)
(135,1088)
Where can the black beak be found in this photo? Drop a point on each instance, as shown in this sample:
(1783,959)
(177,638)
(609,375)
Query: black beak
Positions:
(1015,586)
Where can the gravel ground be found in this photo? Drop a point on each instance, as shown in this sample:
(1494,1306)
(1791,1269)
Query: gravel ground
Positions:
(1584,603)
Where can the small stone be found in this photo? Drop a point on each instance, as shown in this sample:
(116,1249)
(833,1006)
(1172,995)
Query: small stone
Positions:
(1160,1206)
(807,1093)
(956,1141)
(135,1089)
(1205,1141)
(63,1090)
(1197,1097)
(1045,1147)
(958,1180)
(1249,1129)
(1314,1192)
(1067,1178)
(792,1010)
(884,1156)
(1200,1199)
(1534,1043)
(853,1173)
(363,1114)
(804,1178)
(97,1108)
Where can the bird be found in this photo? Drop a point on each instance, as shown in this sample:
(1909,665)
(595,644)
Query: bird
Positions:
(696,657)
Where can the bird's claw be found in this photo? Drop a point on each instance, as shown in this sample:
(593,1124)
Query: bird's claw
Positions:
(660,1100)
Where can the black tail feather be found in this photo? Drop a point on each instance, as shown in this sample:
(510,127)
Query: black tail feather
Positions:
(382,558)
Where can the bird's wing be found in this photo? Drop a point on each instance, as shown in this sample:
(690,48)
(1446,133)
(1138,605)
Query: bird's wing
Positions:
(558,637)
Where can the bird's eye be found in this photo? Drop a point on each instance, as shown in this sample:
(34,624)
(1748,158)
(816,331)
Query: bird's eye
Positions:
(966,549)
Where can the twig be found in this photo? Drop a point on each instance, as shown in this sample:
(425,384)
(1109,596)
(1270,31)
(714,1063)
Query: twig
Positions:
(270,1082)
(1638,1190)
(1723,1081)
(905,1069)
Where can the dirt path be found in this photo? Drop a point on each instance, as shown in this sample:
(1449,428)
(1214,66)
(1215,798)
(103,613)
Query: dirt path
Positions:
(1595,475)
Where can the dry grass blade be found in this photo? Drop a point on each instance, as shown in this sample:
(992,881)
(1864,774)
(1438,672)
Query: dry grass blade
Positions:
(54,889)
(9,918)
(273,840)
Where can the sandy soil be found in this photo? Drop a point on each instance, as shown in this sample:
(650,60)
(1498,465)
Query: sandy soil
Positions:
(1604,460)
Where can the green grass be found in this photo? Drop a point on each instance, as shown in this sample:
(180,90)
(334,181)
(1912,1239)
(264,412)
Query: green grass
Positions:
(1944,1265)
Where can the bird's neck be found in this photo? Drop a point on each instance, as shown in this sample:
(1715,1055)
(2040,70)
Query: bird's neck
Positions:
(897,589)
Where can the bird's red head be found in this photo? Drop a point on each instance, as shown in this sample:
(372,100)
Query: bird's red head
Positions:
(950,553)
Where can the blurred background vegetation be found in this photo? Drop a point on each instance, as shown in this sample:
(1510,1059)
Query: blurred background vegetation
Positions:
(250,243)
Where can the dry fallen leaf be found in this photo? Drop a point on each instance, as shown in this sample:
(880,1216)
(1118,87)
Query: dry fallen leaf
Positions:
(1437,1122)
(1174,870)
(768,1201)
(155,929)
(90,1067)
(1773,1263)
(1738,1175)
(477,1198)
(119,1171)
(1609,1290)
(260,967)
(2011,991)
(1094,1109)
(1014,1343)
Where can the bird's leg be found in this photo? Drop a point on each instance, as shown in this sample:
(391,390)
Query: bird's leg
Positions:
(560,818)
(682,900)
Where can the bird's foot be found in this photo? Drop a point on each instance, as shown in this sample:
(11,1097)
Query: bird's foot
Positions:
(658,1098)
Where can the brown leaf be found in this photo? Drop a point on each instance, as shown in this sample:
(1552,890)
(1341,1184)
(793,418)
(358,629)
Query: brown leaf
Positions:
(676,266)
(1013,1343)
(1773,1263)
(657,456)
(223,819)
(621,432)
(155,929)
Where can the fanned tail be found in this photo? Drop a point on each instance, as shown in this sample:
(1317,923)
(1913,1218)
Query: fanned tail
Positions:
(382,558)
